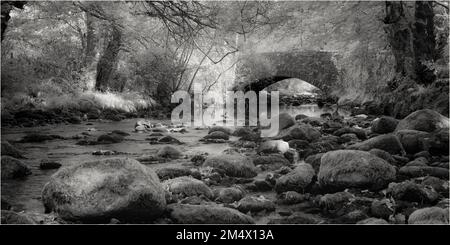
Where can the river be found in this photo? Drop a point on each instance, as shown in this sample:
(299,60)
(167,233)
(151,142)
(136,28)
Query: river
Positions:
(25,194)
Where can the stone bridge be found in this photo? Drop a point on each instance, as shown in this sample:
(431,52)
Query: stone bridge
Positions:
(257,71)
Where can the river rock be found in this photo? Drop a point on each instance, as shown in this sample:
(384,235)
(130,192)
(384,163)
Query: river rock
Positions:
(46,164)
(187,186)
(9,150)
(382,208)
(424,154)
(385,142)
(412,192)
(271,162)
(300,117)
(255,204)
(232,165)
(352,217)
(110,138)
(300,132)
(357,131)
(11,217)
(220,129)
(228,194)
(167,139)
(423,120)
(419,171)
(37,138)
(297,218)
(419,162)
(273,146)
(296,180)
(298,144)
(349,168)
(334,202)
(242,131)
(207,214)
(217,135)
(383,155)
(438,144)
(120,132)
(314,161)
(291,197)
(384,125)
(97,191)
(13,168)
(413,141)
(285,120)
(349,138)
(140,128)
(372,221)
(439,185)
(431,215)
(169,152)
(173,172)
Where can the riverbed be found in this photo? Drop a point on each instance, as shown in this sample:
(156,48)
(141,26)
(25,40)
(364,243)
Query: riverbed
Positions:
(25,194)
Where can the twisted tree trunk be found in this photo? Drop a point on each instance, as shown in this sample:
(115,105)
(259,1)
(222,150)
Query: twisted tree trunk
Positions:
(107,64)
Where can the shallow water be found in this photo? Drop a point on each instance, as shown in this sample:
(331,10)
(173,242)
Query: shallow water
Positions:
(25,194)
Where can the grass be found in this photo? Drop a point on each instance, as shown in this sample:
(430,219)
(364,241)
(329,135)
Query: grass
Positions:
(82,101)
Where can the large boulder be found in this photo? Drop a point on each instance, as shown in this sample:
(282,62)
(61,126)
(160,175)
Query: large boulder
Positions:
(169,152)
(343,169)
(232,165)
(412,192)
(9,150)
(217,135)
(228,194)
(423,120)
(385,142)
(300,132)
(384,125)
(97,191)
(431,215)
(273,146)
(207,214)
(296,180)
(187,186)
(13,168)
(285,120)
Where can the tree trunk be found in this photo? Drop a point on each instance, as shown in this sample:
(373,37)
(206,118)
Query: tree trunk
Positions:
(412,38)
(90,40)
(107,64)
(400,37)
(424,41)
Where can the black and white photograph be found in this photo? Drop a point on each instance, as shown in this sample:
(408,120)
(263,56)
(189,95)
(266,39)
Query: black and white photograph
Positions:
(149,113)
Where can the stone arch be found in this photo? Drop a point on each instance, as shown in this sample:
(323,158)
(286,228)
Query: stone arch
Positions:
(257,71)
